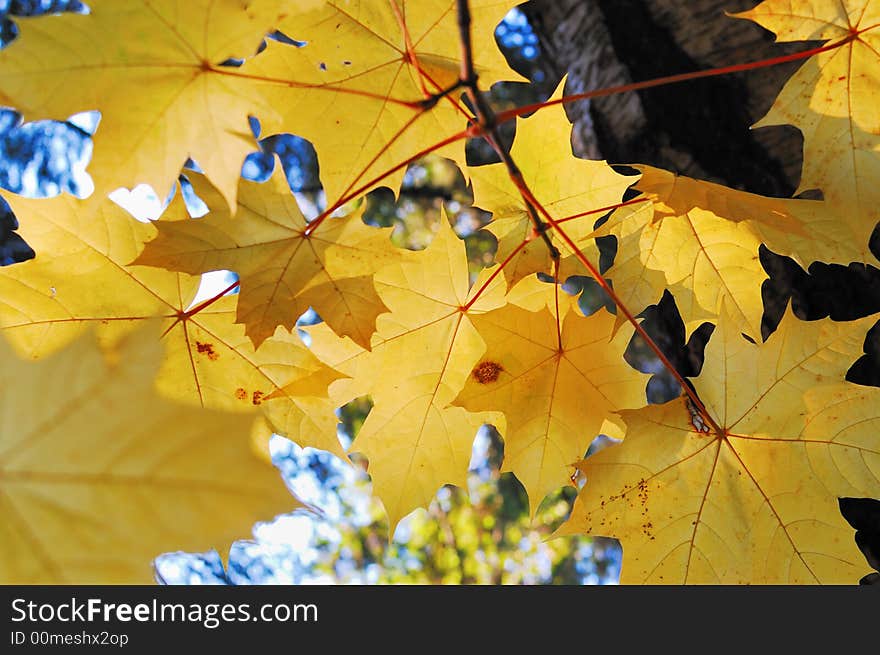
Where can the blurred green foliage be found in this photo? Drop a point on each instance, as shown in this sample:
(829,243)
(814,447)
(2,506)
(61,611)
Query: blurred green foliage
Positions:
(479,535)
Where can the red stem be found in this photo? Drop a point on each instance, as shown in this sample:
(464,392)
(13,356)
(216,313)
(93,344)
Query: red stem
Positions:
(494,274)
(210,301)
(510,114)
(556,300)
(182,316)
(368,185)
(597,276)
(488,122)
(410,49)
(602,210)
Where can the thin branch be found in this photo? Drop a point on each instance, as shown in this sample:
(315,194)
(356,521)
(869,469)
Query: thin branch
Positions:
(486,119)
(487,122)
(596,275)
(434,98)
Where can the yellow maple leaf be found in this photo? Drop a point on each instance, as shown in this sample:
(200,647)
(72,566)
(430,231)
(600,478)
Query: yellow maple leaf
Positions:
(565,186)
(832,99)
(99,475)
(153,71)
(355,90)
(700,240)
(422,353)
(79,280)
(755,499)
(284,267)
(535,294)
(557,384)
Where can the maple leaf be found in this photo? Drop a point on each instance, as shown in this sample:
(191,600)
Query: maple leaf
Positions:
(755,500)
(284,266)
(565,185)
(154,71)
(832,99)
(99,475)
(422,353)
(557,382)
(357,89)
(79,280)
(700,240)
(743,490)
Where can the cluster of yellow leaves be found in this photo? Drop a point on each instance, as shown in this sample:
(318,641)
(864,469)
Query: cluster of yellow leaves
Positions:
(833,101)
(156,69)
(161,74)
(740,490)
(746,491)
(99,474)
(755,499)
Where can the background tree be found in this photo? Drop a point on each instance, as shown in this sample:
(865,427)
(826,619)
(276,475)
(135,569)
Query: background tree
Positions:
(700,128)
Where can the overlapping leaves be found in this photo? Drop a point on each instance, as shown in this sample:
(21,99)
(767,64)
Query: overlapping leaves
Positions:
(832,99)
(736,483)
(285,264)
(746,493)
(90,495)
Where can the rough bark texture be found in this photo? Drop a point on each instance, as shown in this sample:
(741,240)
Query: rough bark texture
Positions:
(698,128)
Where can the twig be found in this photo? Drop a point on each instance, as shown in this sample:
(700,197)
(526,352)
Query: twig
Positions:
(486,119)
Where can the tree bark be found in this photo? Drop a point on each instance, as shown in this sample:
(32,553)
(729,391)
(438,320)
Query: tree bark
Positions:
(698,128)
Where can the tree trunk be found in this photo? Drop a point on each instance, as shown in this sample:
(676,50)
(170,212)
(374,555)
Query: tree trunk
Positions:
(698,128)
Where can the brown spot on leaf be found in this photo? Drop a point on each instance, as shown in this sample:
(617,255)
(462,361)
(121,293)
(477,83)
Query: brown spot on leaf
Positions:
(240,393)
(486,372)
(207,349)
(257,398)
(643,497)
